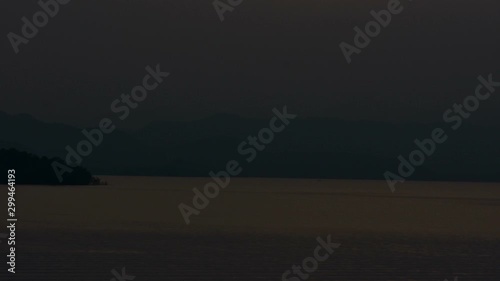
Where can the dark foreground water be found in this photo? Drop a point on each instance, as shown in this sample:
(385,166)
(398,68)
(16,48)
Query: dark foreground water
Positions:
(256,229)
(92,255)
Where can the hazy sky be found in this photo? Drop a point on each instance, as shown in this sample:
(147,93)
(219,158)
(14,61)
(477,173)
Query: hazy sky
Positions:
(266,53)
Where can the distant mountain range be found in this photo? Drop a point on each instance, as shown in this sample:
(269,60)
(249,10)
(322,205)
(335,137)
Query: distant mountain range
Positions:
(308,148)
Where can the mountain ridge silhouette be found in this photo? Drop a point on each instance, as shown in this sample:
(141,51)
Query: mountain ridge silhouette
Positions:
(310,148)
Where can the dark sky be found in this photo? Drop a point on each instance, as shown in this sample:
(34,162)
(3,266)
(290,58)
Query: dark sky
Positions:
(266,53)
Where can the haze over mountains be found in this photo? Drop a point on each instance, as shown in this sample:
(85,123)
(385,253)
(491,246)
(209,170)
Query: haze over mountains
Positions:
(309,148)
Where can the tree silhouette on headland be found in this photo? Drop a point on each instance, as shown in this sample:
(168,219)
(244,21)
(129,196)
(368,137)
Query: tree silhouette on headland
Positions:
(32,169)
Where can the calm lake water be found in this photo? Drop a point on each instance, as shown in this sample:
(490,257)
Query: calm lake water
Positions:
(256,229)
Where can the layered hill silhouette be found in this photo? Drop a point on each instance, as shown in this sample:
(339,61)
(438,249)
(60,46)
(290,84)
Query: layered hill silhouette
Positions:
(32,169)
(307,148)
